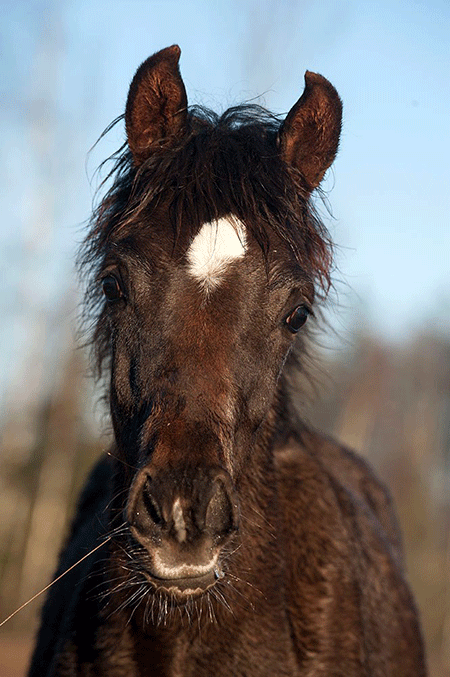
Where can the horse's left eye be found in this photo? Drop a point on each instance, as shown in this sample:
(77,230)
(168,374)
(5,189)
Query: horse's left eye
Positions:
(297,318)
(111,288)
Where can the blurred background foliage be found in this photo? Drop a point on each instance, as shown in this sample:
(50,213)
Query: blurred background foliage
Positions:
(383,357)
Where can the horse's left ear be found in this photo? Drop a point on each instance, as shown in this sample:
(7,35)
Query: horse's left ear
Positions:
(157,103)
(309,136)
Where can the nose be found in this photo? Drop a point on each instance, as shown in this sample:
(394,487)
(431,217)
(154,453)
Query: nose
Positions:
(183,517)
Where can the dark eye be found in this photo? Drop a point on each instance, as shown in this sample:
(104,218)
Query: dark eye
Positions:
(297,318)
(111,288)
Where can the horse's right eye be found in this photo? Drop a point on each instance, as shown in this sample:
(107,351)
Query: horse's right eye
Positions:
(111,288)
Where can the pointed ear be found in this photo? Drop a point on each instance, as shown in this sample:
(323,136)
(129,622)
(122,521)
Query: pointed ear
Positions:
(157,104)
(309,136)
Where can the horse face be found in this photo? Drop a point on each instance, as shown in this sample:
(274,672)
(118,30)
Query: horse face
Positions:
(198,343)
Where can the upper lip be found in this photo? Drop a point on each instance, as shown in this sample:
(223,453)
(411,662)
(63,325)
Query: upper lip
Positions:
(191,582)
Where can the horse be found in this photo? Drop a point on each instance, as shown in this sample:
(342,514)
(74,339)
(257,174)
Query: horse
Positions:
(221,534)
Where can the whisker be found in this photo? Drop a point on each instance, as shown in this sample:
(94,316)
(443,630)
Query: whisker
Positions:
(221,599)
(262,517)
(259,526)
(141,596)
(227,555)
(122,528)
(122,491)
(212,614)
(198,613)
(246,583)
(123,585)
(129,600)
(237,591)
(116,458)
(188,611)
(126,552)
(105,583)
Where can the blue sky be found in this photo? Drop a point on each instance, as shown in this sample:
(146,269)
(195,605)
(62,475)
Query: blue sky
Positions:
(66,67)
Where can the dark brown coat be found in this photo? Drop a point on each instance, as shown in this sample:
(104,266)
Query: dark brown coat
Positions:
(236,541)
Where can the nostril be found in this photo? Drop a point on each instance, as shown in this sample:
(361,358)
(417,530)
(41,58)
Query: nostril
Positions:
(144,511)
(150,504)
(221,517)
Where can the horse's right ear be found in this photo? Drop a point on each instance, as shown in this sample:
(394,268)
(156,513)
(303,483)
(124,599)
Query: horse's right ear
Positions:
(309,136)
(157,103)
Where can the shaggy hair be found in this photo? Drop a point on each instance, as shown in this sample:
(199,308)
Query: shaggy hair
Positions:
(227,164)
